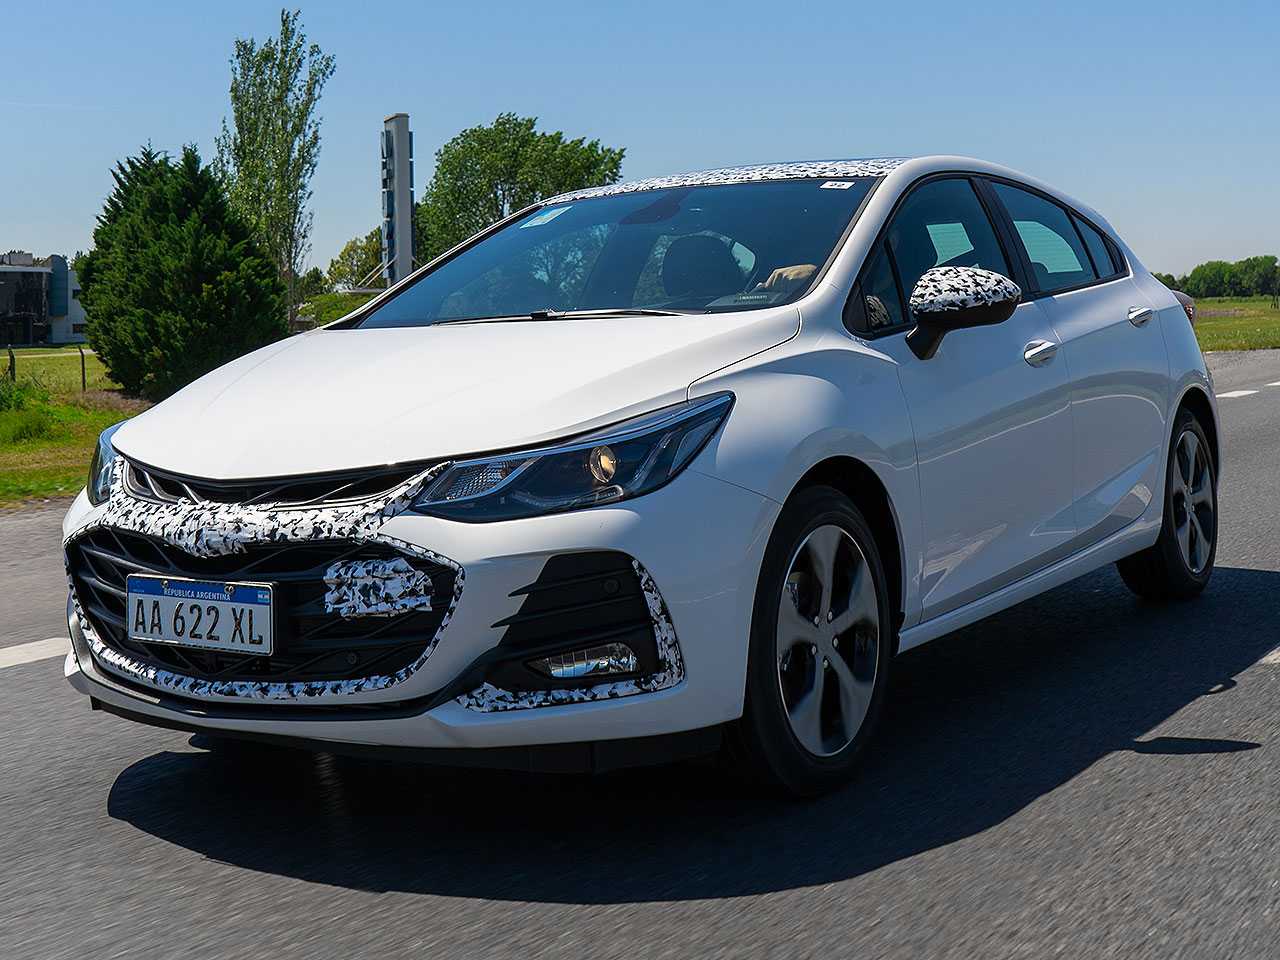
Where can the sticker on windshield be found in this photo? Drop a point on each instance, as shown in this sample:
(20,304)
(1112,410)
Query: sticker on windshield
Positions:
(837,185)
(546,216)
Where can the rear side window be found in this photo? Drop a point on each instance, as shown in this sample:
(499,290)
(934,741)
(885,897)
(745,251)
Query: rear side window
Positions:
(1054,248)
(942,223)
(1098,250)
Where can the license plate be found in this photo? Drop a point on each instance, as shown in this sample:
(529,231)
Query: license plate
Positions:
(208,614)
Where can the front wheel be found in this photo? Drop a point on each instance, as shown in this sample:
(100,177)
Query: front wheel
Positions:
(1179,564)
(821,647)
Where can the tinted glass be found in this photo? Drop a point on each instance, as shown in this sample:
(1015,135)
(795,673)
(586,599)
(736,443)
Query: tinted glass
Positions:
(942,223)
(701,249)
(1052,245)
(881,306)
(1097,247)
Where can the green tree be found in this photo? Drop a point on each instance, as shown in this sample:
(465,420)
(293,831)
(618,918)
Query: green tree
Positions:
(486,173)
(312,284)
(268,157)
(175,284)
(1168,279)
(360,257)
(1211,279)
(1253,276)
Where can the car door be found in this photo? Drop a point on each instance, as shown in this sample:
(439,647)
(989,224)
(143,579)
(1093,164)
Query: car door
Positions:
(1114,351)
(992,428)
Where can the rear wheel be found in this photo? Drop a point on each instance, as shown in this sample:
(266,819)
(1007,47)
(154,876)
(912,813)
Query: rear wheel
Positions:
(1179,564)
(821,646)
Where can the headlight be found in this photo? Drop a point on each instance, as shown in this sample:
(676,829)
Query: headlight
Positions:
(104,455)
(622,461)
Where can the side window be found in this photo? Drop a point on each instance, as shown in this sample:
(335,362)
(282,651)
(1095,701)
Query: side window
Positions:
(1052,245)
(942,223)
(875,305)
(1098,250)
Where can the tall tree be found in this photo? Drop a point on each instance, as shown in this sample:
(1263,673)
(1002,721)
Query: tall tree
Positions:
(175,284)
(485,173)
(356,261)
(269,155)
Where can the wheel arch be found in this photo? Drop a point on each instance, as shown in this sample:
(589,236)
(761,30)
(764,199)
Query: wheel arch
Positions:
(860,483)
(1198,402)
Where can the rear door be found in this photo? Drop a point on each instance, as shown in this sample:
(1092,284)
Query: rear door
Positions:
(992,429)
(1115,356)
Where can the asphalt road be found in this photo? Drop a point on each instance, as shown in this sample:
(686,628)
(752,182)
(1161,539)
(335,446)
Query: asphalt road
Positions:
(1081,776)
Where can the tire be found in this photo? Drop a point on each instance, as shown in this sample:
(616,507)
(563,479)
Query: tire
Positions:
(1178,566)
(794,735)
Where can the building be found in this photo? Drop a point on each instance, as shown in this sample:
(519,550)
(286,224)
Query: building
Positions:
(39,301)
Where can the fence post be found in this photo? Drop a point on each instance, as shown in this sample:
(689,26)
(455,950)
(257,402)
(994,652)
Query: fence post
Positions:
(13,365)
(83,379)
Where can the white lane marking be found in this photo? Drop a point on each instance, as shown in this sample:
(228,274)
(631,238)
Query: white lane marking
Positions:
(30,652)
(1232,394)
(1272,659)
(1275,383)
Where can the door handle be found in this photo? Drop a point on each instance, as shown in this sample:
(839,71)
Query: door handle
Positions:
(1138,316)
(1039,352)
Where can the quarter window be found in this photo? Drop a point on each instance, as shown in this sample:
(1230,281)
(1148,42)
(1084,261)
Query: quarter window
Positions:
(942,223)
(1053,247)
(876,304)
(1098,250)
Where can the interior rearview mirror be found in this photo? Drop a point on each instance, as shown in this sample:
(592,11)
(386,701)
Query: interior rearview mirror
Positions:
(952,298)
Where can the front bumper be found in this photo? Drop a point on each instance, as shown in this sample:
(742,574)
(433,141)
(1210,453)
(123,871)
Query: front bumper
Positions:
(700,538)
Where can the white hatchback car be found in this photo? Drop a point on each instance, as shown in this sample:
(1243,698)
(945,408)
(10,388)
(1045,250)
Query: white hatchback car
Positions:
(653,468)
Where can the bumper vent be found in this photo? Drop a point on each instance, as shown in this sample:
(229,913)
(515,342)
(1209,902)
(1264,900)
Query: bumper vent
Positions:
(579,601)
(311,643)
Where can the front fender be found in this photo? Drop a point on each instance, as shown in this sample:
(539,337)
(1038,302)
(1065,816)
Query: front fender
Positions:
(811,400)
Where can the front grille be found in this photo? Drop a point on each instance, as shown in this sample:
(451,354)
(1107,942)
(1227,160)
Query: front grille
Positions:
(347,486)
(310,644)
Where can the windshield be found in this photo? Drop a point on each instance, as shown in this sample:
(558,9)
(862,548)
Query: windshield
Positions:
(688,249)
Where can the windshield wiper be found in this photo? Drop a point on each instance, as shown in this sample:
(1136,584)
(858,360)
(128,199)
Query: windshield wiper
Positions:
(571,315)
(608,312)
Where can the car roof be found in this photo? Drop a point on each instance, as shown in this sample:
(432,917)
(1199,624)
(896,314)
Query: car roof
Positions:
(794,170)
(908,169)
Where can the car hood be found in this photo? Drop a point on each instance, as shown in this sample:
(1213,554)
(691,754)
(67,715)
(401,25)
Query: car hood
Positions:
(339,399)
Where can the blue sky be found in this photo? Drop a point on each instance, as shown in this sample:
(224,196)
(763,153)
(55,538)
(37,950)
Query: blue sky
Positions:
(1161,115)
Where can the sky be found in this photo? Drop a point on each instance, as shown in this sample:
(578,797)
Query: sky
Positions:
(1161,115)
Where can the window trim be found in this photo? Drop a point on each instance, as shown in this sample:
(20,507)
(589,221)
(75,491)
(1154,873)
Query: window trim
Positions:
(975,183)
(1077,221)
(1031,289)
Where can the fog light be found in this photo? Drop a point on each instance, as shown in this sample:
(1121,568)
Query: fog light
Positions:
(611,658)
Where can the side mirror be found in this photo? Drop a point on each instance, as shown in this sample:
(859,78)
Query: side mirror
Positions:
(952,298)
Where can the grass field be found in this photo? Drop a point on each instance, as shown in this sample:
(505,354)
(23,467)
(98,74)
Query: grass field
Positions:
(48,426)
(1237,323)
(45,449)
(58,370)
